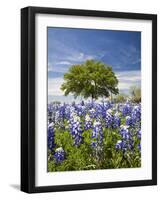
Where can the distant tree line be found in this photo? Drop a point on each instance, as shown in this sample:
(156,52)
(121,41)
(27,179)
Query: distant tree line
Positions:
(134,96)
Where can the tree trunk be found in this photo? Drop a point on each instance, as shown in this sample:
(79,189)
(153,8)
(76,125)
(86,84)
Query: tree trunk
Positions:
(92,97)
(111,96)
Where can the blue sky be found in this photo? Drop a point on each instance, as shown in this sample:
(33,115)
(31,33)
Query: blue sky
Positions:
(68,46)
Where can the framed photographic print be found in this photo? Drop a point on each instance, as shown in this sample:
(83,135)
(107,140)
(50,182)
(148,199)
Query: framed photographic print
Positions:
(88,99)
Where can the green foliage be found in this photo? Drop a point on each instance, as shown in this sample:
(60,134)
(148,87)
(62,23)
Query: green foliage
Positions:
(90,79)
(78,158)
(85,157)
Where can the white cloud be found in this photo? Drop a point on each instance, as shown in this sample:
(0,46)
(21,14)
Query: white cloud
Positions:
(54,86)
(49,67)
(54,68)
(82,57)
(68,54)
(77,57)
(64,63)
(128,79)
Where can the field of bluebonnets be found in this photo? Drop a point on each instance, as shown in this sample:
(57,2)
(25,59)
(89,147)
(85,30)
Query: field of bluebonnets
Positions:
(94,135)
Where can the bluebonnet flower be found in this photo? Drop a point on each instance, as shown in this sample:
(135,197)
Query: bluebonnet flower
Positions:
(62,111)
(79,109)
(59,155)
(97,132)
(136,113)
(122,145)
(139,134)
(97,129)
(108,105)
(51,143)
(95,116)
(124,132)
(127,142)
(76,128)
(90,105)
(88,122)
(66,111)
(57,117)
(92,113)
(94,144)
(50,109)
(109,118)
(116,120)
(102,110)
(126,109)
(129,121)
(51,112)
(139,147)
(119,144)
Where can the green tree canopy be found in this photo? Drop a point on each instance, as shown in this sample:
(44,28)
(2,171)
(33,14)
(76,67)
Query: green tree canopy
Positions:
(91,79)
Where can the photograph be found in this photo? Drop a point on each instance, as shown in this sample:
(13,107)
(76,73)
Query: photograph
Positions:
(89,99)
(94,99)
